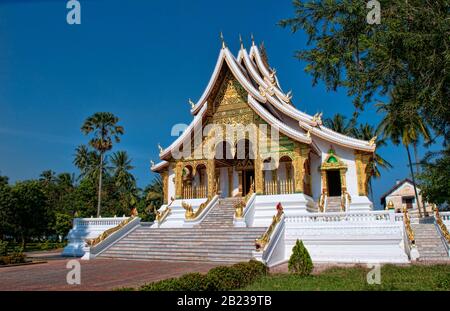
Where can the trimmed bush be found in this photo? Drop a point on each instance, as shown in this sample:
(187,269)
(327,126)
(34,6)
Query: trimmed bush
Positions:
(217,279)
(223,278)
(193,282)
(300,262)
(163,285)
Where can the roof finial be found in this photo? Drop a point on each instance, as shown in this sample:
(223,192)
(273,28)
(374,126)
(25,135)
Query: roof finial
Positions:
(152,163)
(242,43)
(160,149)
(192,103)
(253,40)
(223,40)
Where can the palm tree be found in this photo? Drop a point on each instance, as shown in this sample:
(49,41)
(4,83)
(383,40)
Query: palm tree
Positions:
(154,192)
(47,177)
(340,124)
(88,162)
(103,126)
(404,125)
(367,132)
(121,167)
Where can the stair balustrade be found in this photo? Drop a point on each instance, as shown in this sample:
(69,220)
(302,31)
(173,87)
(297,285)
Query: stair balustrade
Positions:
(442,227)
(322,202)
(160,217)
(240,206)
(263,241)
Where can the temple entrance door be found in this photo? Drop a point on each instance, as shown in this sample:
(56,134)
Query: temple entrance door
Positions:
(334,183)
(247,179)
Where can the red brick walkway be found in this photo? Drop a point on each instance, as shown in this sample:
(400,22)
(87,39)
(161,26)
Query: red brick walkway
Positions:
(98,274)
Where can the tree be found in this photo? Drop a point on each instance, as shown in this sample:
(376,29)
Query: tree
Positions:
(154,193)
(407,54)
(104,127)
(7,203)
(434,181)
(30,211)
(339,124)
(4,180)
(403,126)
(124,180)
(300,262)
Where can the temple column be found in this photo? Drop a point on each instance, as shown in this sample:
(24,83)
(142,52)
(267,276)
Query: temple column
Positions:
(211,172)
(362,160)
(230,181)
(179,180)
(259,176)
(165,180)
(323,175)
(301,155)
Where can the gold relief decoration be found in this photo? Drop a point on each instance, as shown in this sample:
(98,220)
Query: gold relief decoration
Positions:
(189,214)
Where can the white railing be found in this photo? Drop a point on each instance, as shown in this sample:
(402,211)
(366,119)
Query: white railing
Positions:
(200,213)
(94,222)
(364,216)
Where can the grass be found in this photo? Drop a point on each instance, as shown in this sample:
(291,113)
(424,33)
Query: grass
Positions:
(410,278)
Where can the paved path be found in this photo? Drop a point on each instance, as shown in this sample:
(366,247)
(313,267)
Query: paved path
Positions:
(99,274)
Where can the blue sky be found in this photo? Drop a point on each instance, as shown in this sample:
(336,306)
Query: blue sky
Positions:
(141,60)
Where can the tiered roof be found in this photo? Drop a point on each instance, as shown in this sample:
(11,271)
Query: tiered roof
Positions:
(268,100)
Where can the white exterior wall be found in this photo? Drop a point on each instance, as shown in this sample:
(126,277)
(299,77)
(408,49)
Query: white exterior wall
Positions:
(346,155)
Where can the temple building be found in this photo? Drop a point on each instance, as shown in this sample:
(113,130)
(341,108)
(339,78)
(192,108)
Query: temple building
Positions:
(329,168)
(250,175)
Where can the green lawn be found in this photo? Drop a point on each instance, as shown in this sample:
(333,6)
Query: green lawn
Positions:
(436,277)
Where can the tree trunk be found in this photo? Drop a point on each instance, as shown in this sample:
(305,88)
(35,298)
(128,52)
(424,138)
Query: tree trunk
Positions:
(99,201)
(414,180)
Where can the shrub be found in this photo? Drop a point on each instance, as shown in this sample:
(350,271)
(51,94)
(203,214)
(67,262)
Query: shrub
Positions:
(223,278)
(193,282)
(3,248)
(163,285)
(217,279)
(300,262)
(250,271)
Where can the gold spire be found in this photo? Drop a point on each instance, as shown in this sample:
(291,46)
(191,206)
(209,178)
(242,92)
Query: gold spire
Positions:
(160,148)
(192,103)
(223,40)
(372,141)
(242,43)
(253,40)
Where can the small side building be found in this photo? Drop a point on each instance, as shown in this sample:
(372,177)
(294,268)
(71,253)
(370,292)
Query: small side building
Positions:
(402,195)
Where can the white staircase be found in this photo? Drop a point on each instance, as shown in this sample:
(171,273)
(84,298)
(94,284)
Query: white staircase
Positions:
(333,204)
(428,242)
(214,239)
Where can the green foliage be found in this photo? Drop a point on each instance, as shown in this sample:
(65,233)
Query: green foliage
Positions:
(63,224)
(31,213)
(163,285)
(3,248)
(406,56)
(224,278)
(434,181)
(300,262)
(217,279)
